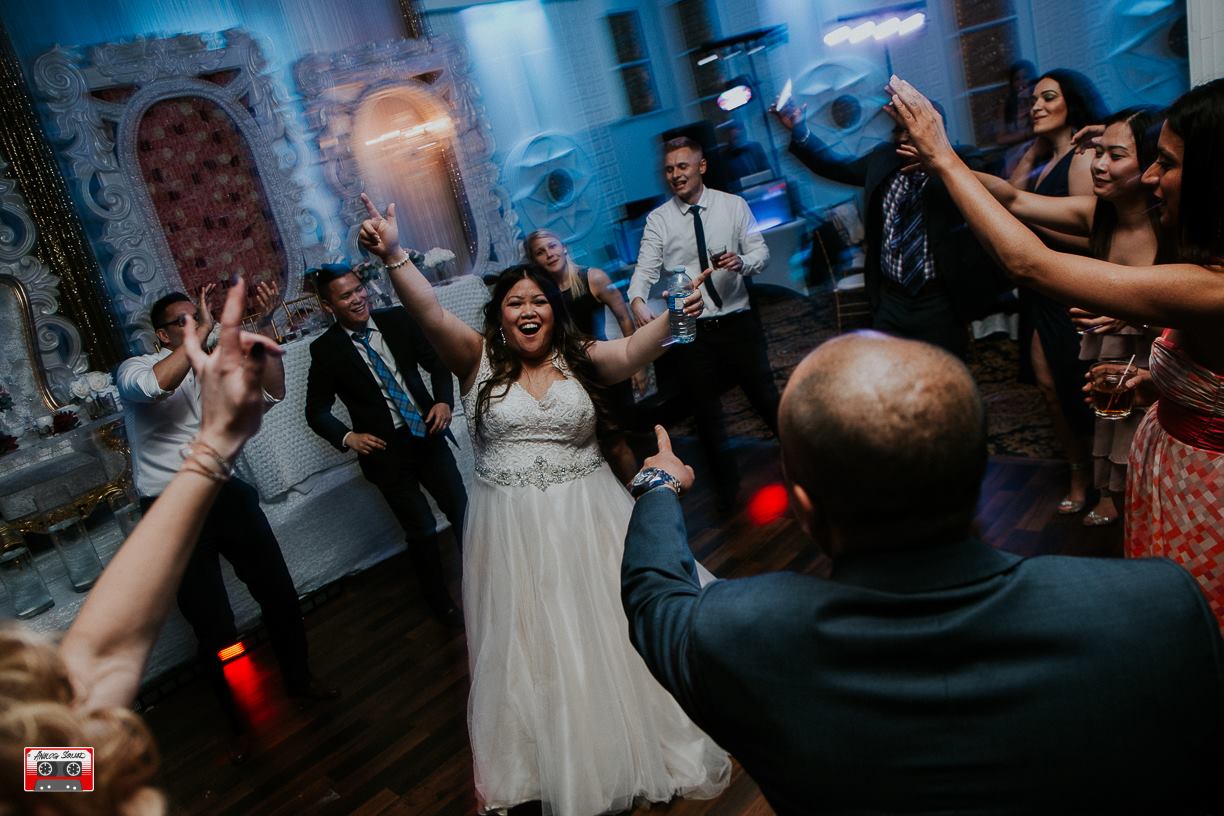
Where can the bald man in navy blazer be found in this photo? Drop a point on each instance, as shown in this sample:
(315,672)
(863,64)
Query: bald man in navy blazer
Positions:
(930,673)
(400,428)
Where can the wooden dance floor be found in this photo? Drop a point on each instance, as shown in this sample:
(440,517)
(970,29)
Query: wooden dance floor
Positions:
(396,742)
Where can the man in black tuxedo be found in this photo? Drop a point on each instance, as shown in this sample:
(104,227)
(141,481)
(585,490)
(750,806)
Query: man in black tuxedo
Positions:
(930,673)
(926,275)
(400,430)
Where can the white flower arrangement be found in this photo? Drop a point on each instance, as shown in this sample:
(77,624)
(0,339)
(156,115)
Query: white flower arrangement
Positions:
(91,383)
(437,256)
(98,381)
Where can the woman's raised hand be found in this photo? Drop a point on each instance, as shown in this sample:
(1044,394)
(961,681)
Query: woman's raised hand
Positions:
(379,233)
(928,144)
(230,379)
(1085,138)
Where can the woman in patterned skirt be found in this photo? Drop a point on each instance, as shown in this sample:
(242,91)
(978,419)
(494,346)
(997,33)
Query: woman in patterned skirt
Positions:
(1176,481)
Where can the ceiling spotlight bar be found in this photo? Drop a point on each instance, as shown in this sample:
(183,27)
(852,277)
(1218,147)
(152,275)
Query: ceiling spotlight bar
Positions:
(879,25)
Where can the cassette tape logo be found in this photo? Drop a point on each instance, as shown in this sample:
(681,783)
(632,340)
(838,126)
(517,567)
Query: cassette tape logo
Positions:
(59,769)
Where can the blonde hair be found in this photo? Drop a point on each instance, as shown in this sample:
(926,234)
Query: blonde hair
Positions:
(573,279)
(37,707)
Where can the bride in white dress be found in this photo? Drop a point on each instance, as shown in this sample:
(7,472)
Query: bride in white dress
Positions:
(562,709)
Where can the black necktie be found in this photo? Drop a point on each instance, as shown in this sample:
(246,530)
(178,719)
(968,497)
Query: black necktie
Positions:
(702,255)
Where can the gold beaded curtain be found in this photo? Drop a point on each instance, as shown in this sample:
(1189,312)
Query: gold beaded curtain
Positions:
(61,244)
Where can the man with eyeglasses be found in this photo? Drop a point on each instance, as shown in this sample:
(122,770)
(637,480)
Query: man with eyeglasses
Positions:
(162,414)
(400,428)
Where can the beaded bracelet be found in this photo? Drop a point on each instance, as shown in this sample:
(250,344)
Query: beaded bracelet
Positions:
(201,470)
(201,453)
(398,264)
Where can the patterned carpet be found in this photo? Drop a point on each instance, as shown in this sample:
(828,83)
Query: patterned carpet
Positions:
(1017,423)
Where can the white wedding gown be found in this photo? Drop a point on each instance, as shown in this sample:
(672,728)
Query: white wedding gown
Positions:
(562,709)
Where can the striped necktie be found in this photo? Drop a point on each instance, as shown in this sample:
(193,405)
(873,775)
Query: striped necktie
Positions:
(909,234)
(407,411)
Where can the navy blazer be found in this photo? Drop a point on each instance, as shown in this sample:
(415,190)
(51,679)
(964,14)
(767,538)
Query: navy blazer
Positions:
(337,368)
(950,679)
(973,281)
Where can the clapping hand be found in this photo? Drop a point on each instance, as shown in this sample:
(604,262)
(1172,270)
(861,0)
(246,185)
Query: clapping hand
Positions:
(231,394)
(204,316)
(379,233)
(667,461)
(928,141)
(267,298)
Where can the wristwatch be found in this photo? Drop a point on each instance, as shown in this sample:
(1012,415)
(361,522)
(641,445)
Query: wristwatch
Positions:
(650,478)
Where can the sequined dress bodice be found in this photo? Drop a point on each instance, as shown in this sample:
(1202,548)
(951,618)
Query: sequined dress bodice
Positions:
(524,441)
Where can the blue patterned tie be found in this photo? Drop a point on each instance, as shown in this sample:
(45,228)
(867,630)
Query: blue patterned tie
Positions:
(406,409)
(909,234)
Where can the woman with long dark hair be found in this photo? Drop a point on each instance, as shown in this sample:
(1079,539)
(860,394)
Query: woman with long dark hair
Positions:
(1175,483)
(1120,222)
(562,709)
(1063,102)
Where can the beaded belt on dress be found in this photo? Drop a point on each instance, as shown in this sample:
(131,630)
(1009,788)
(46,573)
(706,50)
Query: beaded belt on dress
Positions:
(543,472)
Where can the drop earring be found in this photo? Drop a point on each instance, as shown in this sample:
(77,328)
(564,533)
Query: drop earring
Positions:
(502,332)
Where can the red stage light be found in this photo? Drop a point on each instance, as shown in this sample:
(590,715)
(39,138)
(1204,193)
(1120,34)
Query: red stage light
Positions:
(230,652)
(768,504)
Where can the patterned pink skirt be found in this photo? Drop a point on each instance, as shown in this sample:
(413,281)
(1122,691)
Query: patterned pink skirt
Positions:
(1175,507)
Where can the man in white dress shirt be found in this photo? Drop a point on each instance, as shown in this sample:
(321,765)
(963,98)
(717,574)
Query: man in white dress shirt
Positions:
(162,415)
(689,231)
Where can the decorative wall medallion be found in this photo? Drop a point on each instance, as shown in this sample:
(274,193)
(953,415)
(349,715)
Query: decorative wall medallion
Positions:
(845,100)
(552,185)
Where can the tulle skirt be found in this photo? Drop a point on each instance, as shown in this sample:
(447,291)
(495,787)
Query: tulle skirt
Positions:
(562,709)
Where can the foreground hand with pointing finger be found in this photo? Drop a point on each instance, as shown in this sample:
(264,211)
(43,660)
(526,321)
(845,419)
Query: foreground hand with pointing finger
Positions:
(379,234)
(668,462)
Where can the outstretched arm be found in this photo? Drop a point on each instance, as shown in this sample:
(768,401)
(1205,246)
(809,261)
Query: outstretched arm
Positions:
(1068,214)
(606,293)
(617,360)
(1184,296)
(456,342)
(106,647)
(659,584)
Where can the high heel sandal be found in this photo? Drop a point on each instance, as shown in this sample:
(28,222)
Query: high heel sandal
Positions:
(1069,506)
(1095,519)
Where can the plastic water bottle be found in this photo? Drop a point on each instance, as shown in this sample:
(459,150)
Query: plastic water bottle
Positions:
(679,286)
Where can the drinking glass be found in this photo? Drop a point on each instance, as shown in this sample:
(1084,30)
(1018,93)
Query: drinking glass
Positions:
(1111,399)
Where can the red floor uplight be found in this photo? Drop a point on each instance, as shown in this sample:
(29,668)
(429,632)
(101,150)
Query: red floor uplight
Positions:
(768,504)
(230,652)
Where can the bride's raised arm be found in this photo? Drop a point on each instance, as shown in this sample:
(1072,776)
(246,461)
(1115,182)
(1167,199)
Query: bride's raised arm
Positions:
(1184,296)
(457,343)
(620,359)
